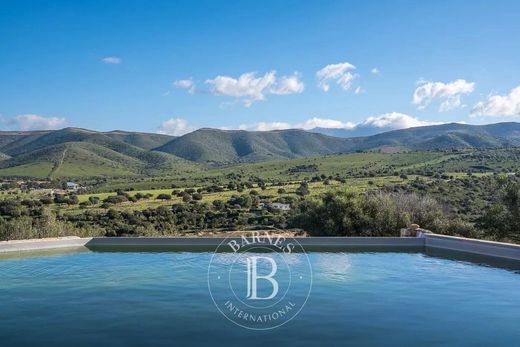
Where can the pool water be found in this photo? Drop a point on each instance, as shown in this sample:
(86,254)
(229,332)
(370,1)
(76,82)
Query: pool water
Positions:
(162,298)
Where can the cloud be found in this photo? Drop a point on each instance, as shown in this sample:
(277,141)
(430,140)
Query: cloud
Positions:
(499,105)
(175,127)
(306,125)
(111,60)
(393,121)
(288,85)
(27,122)
(265,126)
(249,88)
(450,93)
(185,84)
(359,90)
(338,73)
(324,123)
(374,71)
(387,121)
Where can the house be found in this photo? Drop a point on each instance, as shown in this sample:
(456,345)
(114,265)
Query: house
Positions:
(275,205)
(72,186)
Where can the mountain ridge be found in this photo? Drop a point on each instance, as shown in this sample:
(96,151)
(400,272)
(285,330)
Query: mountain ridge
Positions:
(119,152)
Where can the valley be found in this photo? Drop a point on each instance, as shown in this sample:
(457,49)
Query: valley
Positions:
(82,182)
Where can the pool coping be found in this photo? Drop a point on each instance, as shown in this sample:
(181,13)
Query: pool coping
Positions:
(492,249)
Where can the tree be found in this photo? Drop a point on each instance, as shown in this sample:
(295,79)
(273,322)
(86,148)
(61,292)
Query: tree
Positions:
(186,197)
(502,219)
(303,189)
(164,196)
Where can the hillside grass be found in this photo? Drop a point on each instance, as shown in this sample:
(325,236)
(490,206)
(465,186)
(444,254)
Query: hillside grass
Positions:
(33,170)
(268,194)
(343,165)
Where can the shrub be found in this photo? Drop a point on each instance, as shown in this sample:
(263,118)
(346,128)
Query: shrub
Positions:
(164,197)
(373,214)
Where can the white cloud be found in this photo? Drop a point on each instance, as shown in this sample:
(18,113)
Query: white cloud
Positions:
(374,71)
(288,85)
(450,93)
(359,90)
(306,125)
(387,121)
(499,105)
(26,122)
(175,127)
(249,88)
(265,126)
(324,123)
(394,120)
(188,84)
(111,60)
(338,73)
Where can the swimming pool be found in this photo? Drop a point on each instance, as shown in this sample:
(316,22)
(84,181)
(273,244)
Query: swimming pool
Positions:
(162,298)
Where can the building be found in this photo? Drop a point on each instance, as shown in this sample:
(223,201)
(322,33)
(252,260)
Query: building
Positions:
(72,186)
(275,205)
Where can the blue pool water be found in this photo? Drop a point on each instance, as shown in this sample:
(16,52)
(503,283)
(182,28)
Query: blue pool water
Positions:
(138,299)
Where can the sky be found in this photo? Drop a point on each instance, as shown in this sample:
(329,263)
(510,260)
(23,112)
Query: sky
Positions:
(175,66)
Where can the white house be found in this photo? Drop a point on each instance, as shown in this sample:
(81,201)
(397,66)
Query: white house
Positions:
(275,205)
(72,186)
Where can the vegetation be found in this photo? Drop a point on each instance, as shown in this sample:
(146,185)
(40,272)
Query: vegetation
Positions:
(374,214)
(82,153)
(128,185)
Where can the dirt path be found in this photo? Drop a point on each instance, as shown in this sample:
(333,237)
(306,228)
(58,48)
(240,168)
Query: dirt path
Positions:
(59,163)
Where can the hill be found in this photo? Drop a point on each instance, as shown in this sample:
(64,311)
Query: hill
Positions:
(141,140)
(214,146)
(510,132)
(347,133)
(218,147)
(73,152)
(445,136)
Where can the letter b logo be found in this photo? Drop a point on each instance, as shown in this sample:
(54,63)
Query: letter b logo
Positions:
(253,277)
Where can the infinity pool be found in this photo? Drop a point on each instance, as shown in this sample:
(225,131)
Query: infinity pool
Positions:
(162,298)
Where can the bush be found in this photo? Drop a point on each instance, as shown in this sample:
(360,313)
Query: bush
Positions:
(373,214)
(164,197)
(115,199)
(186,197)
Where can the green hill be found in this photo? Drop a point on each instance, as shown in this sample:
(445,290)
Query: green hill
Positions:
(141,140)
(15,143)
(218,147)
(443,136)
(74,152)
(223,147)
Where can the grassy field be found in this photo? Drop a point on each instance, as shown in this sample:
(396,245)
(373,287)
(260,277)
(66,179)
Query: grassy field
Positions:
(34,170)
(294,170)
(356,172)
(269,193)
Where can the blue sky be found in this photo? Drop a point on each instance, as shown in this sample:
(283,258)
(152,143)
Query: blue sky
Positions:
(173,66)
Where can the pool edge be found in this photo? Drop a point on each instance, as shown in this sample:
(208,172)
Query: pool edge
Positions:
(422,244)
